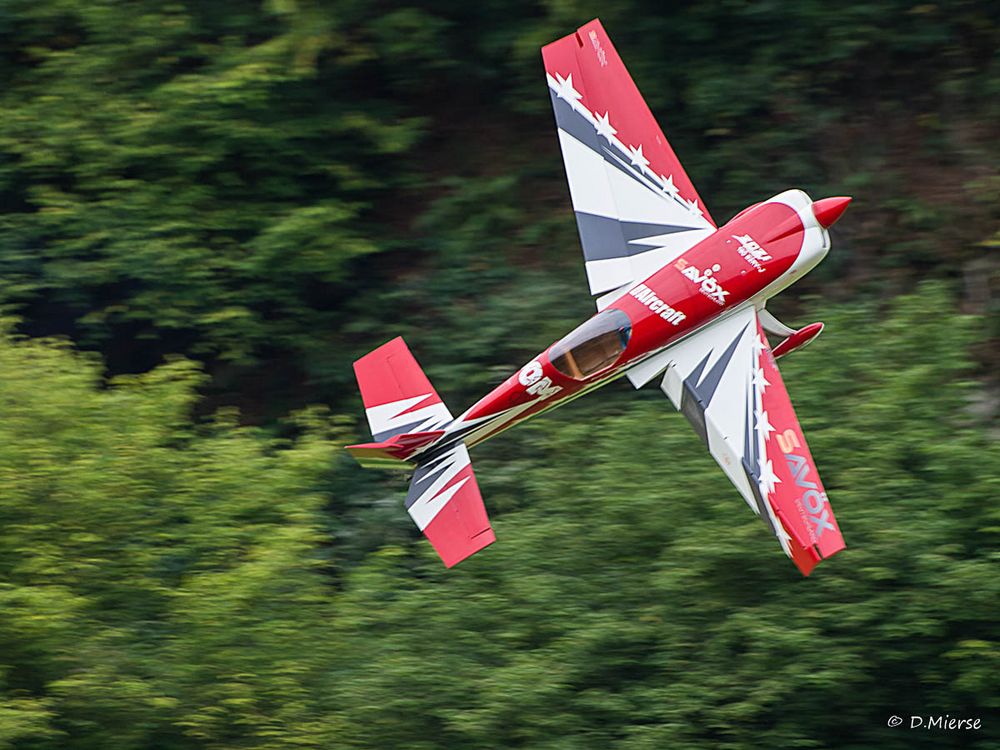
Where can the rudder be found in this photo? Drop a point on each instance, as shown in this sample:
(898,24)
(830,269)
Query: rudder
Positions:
(398,397)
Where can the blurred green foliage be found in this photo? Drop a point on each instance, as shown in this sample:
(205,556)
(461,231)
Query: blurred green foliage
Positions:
(271,187)
(225,203)
(173,584)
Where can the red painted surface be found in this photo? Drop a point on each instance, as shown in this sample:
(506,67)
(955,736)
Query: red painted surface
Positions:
(798,339)
(775,227)
(399,447)
(798,498)
(461,528)
(606,86)
(828,210)
(390,373)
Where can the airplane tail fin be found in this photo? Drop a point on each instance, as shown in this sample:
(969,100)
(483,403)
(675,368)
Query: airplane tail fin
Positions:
(406,414)
(404,411)
(393,453)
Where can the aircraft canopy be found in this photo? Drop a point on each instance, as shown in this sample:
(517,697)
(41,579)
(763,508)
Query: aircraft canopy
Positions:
(592,346)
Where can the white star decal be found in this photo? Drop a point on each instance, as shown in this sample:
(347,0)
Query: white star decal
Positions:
(758,345)
(763,425)
(604,126)
(693,206)
(638,160)
(566,90)
(767,477)
(783,536)
(668,185)
(759,379)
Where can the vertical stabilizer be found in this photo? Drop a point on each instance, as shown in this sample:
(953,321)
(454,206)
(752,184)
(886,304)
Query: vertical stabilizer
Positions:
(407,416)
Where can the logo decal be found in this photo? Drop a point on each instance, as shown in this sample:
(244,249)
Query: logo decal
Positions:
(602,56)
(708,285)
(530,373)
(813,500)
(648,297)
(788,441)
(531,376)
(751,252)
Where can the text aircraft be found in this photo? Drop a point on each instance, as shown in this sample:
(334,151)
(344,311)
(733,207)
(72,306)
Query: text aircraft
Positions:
(677,297)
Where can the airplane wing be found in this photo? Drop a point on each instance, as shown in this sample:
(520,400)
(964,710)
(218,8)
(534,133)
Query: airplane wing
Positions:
(725,381)
(635,207)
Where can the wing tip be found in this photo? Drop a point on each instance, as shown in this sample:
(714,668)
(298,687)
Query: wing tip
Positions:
(807,558)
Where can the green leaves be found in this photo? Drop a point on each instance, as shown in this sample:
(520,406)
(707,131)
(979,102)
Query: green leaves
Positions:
(253,185)
(275,188)
(171,582)
(140,554)
(201,183)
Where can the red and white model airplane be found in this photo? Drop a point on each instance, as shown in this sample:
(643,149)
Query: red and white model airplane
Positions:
(679,298)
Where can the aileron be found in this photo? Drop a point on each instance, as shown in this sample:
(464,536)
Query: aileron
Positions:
(726,383)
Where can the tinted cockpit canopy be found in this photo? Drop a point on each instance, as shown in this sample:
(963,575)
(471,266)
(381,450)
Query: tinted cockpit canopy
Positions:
(593,346)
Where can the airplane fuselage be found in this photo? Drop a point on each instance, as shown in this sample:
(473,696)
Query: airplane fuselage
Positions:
(754,256)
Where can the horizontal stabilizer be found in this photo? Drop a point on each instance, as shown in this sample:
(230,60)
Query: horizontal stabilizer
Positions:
(445,503)
(407,418)
(393,453)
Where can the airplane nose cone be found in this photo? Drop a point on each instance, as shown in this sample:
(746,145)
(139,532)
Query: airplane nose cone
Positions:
(828,210)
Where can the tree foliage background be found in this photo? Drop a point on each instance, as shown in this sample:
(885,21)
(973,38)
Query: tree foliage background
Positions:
(209,210)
